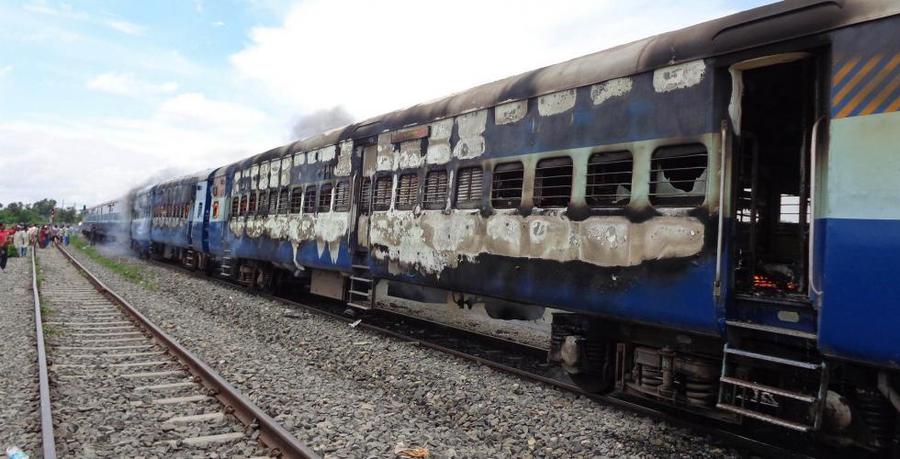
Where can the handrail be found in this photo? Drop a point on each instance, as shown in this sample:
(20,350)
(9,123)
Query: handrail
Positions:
(813,149)
(48,441)
(720,240)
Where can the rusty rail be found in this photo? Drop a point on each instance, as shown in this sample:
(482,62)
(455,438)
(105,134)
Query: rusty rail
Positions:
(48,440)
(271,433)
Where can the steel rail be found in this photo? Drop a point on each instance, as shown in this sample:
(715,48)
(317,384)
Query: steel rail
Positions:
(271,433)
(48,439)
(734,438)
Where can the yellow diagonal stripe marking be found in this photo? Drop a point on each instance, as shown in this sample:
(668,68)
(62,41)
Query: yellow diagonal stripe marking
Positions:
(839,76)
(869,87)
(836,100)
(881,97)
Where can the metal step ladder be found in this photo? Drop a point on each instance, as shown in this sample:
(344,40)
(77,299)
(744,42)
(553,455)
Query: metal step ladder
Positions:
(793,396)
(226,269)
(359,293)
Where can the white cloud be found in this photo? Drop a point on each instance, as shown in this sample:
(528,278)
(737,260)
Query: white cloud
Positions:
(40,8)
(5,70)
(218,24)
(90,160)
(126,27)
(394,53)
(127,84)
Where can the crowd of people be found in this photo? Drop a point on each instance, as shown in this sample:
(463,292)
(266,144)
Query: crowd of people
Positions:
(24,236)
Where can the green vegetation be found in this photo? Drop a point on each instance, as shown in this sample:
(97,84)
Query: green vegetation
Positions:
(37,213)
(128,271)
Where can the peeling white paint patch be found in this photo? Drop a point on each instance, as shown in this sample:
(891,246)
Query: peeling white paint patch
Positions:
(263,176)
(470,128)
(510,112)
(679,76)
(254,176)
(608,89)
(439,142)
(342,169)
(329,228)
(274,173)
(410,154)
(286,170)
(556,103)
(325,154)
(299,158)
(385,156)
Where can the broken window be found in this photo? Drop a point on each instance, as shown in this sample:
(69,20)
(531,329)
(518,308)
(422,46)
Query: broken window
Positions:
(553,182)
(251,205)
(436,187)
(609,179)
(469,182)
(273,202)
(506,191)
(284,200)
(382,200)
(342,196)
(262,207)
(296,199)
(365,195)
(309,200)
(678,176)
(325,197)
(407,191)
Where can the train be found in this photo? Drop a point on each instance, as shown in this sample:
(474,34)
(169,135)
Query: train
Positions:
(707,218)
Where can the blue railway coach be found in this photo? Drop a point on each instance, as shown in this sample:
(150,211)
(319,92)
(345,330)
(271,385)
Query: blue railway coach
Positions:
(710,216)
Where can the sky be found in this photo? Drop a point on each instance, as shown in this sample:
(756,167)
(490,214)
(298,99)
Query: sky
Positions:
(98,96)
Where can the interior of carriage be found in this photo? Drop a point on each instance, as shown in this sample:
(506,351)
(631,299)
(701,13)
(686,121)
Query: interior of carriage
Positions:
(772,209)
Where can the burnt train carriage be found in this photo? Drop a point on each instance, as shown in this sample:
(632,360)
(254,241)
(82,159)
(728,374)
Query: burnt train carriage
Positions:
(710,214)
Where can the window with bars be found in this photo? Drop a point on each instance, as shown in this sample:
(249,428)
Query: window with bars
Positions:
(251,204)
(235,206)
(309,200)
(262,208)
(469,181)
(506,190)
(365,195)
(407,191)
(678,176)
(325,197)
(284,204)
(436,188)
(296,199)
(382,198)
(244,203)
(609,179)
(342,196)
(553,182)
(273,202)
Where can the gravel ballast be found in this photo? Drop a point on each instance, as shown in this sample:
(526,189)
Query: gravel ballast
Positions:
(348,392)
(19,402)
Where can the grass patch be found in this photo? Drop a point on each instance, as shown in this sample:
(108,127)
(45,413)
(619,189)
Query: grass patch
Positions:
(128,271)
(49,330)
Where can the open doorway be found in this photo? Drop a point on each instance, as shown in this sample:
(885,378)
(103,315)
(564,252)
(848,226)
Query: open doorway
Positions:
(772,216)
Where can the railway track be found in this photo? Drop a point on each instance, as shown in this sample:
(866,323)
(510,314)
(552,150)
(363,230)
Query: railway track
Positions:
(114,384)
(530,363)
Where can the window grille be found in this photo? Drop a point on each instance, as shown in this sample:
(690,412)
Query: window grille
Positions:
(407,191)
(325,197)
(262,207)
(382,200)
(469,182)
(273,201)
(365,195)
(678,176)
(342,196)
(243,209)
(296,199)
(553,182)
(251,204)
(284,203)
(309,200)
(436,188)
(506,190)
(609,179)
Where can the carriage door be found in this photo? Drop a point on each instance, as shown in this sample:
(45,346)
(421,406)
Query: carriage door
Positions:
(771,326)
(198,216)
(360,286)
(773,124)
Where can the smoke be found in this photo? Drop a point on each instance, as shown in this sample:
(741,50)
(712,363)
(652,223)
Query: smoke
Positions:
(320,121)
(161,175)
